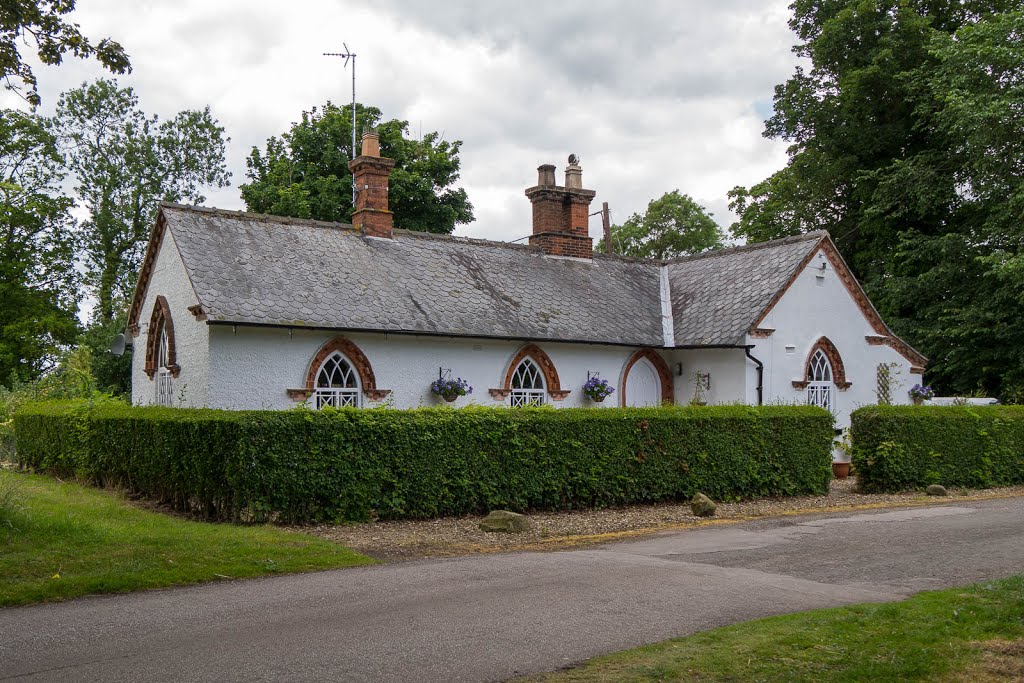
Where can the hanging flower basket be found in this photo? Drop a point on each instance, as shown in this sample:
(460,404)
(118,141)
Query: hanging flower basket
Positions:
(597,389)
(921,393)
(450,389)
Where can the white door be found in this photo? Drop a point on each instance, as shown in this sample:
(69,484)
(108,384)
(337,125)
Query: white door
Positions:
(643,388)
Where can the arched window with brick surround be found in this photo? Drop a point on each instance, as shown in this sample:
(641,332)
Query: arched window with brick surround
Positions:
(824,372)
(820,389)
(530,379)
(161,353)
(337,383)
(339,375)
(527,384)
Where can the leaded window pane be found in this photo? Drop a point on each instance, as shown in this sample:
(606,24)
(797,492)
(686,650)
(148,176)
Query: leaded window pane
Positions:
(819,369)
(337,384)
(527,385)
(164,379)
(820,389)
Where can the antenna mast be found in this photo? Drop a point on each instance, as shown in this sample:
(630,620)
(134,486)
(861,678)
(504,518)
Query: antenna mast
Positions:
(347,55)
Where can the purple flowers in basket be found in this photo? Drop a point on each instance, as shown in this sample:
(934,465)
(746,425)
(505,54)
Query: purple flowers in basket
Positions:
(921,392)
(450,389)
(597,389)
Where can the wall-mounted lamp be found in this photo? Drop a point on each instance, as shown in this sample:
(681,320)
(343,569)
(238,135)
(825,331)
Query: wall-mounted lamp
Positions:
(679,369)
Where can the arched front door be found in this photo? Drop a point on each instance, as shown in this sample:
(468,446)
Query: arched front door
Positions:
(643,388)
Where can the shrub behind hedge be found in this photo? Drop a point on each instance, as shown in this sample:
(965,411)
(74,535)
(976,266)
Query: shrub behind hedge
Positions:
(906,447)
(356,464)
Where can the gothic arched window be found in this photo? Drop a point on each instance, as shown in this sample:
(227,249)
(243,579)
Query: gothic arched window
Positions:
(337,383)
(527,384)
(820,384)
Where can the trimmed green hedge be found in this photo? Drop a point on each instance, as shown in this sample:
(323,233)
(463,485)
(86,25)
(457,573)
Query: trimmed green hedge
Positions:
(357,464)
(907,447)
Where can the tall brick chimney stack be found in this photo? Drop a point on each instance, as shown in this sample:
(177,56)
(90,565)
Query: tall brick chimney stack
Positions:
(371,171)
(561,214)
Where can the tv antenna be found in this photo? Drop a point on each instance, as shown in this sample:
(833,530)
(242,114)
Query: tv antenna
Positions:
(349,55)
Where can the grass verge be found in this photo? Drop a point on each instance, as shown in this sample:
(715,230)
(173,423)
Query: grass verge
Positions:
(962,634)
(60,540)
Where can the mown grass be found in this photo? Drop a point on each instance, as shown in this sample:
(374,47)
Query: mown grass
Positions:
(963,634)
(60,540)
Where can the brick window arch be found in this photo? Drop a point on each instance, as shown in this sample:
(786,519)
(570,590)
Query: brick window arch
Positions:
(160,337)
(664,375)
(544,362)
(354,356)
(829,350)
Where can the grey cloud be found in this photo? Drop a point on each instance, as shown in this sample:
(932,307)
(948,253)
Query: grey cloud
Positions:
(653,96)
(644,49)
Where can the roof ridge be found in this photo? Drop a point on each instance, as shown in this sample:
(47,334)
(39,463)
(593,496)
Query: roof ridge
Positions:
(253,216)
(405,232)
(816,235)
(421,234)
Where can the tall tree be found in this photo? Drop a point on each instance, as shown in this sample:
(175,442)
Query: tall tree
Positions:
(304,173)
(125,162)
(673,225)
(906,143)
(43,22)
(38,282)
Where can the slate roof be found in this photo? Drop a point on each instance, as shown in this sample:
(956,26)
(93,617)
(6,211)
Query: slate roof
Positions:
(256,269)
(718,296)
(266,270)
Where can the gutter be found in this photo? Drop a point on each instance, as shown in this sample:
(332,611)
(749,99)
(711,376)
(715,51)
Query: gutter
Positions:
(425,333)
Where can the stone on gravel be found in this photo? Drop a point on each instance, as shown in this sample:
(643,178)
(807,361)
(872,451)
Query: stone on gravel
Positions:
(936,490)
(703,506)
(503,521)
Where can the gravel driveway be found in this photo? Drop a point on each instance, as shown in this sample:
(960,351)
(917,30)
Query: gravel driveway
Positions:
(451,536)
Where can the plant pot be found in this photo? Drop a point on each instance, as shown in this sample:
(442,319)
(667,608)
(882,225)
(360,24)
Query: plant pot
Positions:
(597,400)
(918,401)
(698,403)
(840,470)
(450,399)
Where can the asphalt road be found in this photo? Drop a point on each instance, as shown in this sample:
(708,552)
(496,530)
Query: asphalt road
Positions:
(492,617)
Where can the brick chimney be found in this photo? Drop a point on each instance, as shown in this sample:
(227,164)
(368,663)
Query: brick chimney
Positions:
(561,214)
(370,171)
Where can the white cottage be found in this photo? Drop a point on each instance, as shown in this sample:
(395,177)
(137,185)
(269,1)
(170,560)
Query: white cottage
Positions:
(238,310)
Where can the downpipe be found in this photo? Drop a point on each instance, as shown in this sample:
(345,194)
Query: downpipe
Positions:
(760,374)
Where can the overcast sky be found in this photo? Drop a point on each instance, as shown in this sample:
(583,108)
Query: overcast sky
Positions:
(653,96)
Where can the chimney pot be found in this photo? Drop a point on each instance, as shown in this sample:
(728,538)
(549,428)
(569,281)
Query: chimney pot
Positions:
(546,175)
(371,144)
(574,174)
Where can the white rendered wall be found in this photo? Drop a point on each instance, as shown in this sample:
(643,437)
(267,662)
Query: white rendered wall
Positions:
(819,305)
(727,370)
(252,367)
(190,335)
